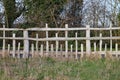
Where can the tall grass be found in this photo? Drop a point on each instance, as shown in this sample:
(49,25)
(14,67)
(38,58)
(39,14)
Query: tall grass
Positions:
(59,69)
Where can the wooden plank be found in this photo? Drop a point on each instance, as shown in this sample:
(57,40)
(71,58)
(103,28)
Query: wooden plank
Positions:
(26,44)
(88,46)
(14,46)
(66,41)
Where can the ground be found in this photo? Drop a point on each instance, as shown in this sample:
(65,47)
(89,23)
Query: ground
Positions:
(59,69)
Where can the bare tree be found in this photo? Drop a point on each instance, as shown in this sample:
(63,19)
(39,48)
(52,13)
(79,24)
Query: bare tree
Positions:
(94,13)
(73,13)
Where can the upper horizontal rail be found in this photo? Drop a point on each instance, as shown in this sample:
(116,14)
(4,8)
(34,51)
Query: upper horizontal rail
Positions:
(57,29)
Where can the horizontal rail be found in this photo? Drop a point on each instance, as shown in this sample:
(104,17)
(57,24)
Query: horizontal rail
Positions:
(56,29)
(61,38)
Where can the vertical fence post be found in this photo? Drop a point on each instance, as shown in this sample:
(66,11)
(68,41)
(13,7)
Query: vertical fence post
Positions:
(100,42)
(14,46)
(71,50)
(8,49)
(76,44)
(52,48)
(66,41)
(26,44)
(116,47)
(95,47)
(110,37)
(82,50)
(61,48)
(105,47)
(32,50)
(18,50)
(57,45)
(47,44)
(3,48)
(41,50)
(36,44)
(88,46)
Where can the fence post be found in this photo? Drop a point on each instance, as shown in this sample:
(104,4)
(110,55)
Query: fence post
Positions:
(26,44)
(88,46)
(3,48)
(47,44)
(82,50)
(18,50)
(61,48)
(76,44)
(105,47)
(71,50)
(116,47)
(36,44)
(8,49)
(100,42)
(52,48)
(32,50)
(57,45)
(66,41)
(41,50)
(14,45)
(95,47)
(110,37)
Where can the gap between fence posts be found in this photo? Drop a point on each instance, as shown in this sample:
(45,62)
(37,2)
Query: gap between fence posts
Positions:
(88,46)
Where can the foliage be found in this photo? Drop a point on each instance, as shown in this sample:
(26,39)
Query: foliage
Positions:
(44,11)
(74,14)
(11,12)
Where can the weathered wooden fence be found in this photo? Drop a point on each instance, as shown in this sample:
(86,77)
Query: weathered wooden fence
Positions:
(58,49)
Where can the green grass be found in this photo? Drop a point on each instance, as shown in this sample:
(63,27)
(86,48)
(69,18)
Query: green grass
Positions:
(59,69)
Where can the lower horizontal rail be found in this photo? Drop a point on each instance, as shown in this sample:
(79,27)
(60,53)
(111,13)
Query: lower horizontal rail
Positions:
(21,54)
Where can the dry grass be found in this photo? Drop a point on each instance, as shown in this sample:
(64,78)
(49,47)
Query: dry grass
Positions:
(91,67)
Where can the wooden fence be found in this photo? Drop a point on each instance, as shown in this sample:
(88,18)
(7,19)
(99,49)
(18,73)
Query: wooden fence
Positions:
(58,49)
